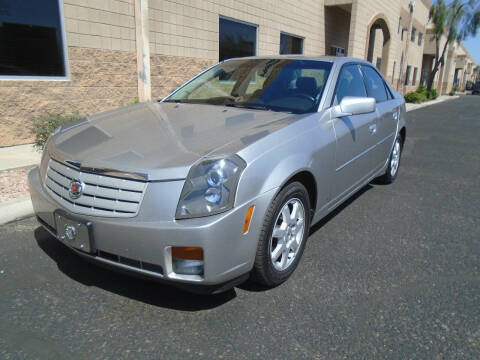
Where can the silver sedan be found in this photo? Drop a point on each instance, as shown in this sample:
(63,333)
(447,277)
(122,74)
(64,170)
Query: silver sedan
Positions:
(222,179)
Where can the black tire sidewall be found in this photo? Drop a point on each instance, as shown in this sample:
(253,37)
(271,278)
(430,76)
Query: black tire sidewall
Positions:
(272,276)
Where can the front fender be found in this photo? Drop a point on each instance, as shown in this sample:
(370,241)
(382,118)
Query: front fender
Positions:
(311,149)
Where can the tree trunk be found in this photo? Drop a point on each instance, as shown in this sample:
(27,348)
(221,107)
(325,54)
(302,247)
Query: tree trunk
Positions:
(439,61)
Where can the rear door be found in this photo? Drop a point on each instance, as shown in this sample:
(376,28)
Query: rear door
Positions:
(355,143)
(387,115)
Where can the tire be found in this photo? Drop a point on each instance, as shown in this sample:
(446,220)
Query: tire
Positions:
(393,163)
(270,270)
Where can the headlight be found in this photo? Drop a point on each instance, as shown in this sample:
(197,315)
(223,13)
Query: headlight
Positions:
(210,187)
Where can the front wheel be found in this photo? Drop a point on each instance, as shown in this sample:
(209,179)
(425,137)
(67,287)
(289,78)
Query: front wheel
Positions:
(393,162)
(283,236)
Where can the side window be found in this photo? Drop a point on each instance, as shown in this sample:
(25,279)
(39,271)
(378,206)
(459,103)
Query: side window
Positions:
(374,83)
(350,83)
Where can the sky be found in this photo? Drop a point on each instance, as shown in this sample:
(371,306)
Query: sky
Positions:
(473,46)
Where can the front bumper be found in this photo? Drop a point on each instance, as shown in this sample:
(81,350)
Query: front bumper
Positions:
(142,244)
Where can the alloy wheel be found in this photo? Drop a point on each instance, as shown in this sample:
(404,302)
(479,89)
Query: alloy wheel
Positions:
(287,235)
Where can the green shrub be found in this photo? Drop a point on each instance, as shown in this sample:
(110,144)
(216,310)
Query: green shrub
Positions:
(453,91)
(422,89)
(44,125)
(134,101)
(432,94)
(414,97)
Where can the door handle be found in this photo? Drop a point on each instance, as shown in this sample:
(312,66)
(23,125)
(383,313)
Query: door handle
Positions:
(395,114)
(372,128)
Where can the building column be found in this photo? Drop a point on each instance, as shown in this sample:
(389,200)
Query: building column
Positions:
(143,50)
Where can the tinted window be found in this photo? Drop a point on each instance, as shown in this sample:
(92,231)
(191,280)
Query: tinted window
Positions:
(374,84)
(350,83)
(236,39)
(31,38)
(290,44)
(265,84)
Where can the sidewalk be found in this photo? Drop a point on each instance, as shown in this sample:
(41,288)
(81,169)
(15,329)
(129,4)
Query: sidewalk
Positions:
(13,157)
(16,161)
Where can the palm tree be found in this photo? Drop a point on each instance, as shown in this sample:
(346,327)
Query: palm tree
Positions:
(476,71)
(456,22)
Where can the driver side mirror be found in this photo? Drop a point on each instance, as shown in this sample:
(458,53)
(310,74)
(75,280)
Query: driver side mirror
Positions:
(351,105)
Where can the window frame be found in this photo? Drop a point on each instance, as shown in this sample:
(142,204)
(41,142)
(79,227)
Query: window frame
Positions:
(408,70)
(240,22)
(66,63)
(334,101)
(302,38)
(387,92)
(414,76)
(413,35)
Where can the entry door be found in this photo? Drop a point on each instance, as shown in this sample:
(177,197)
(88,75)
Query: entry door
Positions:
(354,135)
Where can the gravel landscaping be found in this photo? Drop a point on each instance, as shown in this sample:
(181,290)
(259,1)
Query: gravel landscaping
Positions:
(14,184)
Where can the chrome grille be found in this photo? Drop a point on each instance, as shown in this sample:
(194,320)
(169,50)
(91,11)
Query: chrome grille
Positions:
(102,195)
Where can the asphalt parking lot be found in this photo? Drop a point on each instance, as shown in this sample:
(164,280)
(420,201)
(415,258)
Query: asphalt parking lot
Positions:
(394,273)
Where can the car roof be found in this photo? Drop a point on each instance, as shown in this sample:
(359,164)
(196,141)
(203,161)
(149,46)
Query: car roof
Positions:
(332,59)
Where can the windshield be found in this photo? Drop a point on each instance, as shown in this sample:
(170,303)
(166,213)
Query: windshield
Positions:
(287,85)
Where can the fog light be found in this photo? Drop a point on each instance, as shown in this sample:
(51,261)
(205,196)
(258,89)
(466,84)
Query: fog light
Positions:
(187,260)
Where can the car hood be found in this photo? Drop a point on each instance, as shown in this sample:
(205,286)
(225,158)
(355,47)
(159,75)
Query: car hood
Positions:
(162,140)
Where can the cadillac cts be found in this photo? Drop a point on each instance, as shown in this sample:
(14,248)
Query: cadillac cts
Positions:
(222,179)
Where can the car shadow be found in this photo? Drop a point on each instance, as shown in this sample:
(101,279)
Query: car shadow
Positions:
(135,288)
(145,290)
(339,209)
(254,287)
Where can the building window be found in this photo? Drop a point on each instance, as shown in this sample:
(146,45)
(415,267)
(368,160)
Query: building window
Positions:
(414,34)
(393,73)
(414,80)
(399,25)
(32,39)
(407,74)
(420,39)
(236,39)
(378,63)
(290,44)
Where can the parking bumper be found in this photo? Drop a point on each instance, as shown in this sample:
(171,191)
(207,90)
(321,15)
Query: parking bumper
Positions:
(127,243)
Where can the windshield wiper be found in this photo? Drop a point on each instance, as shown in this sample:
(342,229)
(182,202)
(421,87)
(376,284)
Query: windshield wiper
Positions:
(174,101)
(251,106)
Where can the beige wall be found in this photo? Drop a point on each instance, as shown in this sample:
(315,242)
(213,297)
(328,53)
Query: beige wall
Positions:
(108,24)
(100,80)
(102,65)
(183,40)
(190,28)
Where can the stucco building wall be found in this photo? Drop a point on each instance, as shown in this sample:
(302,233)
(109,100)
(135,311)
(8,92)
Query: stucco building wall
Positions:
(183,40)
(102,66)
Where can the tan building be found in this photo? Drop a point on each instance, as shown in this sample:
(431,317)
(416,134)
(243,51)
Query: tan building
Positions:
(61,56)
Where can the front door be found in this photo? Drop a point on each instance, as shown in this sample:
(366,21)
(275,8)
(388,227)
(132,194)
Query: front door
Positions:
(355,136)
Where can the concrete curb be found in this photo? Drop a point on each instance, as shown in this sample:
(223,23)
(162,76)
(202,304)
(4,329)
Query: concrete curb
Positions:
(411,107)
(15,210)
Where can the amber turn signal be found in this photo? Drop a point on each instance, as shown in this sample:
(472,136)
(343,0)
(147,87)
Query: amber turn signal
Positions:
(248,219)
(187,253)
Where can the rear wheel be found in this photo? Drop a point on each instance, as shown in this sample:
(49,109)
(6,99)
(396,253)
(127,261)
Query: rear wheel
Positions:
(393,162)
(283,236)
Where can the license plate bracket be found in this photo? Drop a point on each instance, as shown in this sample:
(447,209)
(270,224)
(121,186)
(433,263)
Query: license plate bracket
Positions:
(74,232)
